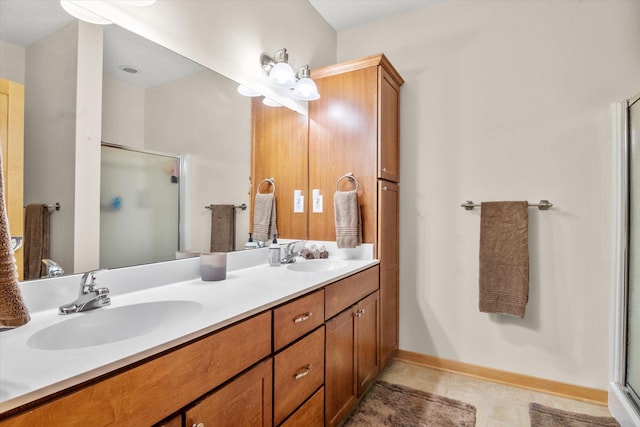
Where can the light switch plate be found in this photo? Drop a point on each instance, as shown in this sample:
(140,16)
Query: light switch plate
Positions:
(298,202)
(317,203)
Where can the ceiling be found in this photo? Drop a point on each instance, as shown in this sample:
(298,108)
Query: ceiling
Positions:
(345,14)
(23,22)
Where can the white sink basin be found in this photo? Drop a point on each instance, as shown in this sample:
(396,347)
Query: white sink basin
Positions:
(107,325)
(318,265)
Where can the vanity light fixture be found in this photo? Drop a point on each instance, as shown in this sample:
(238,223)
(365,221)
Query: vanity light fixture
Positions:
(76,9)
(280,72)
(247,91)
(281,75)
(270,102)
(306,88)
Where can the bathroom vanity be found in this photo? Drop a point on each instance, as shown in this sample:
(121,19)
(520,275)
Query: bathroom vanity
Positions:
(250,351)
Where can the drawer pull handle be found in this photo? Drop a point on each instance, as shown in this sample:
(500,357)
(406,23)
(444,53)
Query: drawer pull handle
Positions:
(359,313)
(302,372)
(302,317)
(384,169)
(198,425)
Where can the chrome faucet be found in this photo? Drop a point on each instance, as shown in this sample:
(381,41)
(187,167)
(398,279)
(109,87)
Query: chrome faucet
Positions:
(89,296)
(291,251)
(53,268)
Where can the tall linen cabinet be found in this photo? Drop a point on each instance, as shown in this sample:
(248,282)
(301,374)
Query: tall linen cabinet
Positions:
(354,128)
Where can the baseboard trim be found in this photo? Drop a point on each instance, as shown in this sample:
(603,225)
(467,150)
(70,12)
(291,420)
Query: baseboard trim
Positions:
(586,394)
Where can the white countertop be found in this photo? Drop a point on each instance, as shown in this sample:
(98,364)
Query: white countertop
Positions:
(28,374)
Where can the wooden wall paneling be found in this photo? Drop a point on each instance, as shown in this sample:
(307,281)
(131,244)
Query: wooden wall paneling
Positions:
(279,150)
(342,139)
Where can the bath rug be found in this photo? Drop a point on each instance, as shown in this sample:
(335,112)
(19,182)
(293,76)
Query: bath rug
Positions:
(395,405)
(543,416)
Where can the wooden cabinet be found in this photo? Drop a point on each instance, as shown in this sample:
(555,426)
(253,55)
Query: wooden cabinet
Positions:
(388,254)
(294,319)
(352,341)
(351,357)
(245,401)
(298,373)
(311,414)
(353,127)
(149,392)
(279,151)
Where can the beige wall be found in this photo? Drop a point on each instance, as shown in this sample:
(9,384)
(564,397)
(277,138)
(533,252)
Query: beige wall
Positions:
(508,101)
(12,60)
(122,113)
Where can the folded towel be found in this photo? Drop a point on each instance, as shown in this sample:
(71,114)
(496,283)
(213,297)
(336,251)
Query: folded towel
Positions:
(36,240)
(348,221)
(223,228)
(264,217)
(13,311)
(504,257)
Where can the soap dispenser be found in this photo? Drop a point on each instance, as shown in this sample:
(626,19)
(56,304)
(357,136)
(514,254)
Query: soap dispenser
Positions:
(274,252)
(250,244)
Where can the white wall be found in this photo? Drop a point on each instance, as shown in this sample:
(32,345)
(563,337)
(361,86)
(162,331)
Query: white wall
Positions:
(12,60)
(203,116)
(508,101)
(50,134)
(122,113)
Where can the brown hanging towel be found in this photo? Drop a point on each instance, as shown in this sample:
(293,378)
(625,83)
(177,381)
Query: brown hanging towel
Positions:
(36,240)
(504,257)
(223,228)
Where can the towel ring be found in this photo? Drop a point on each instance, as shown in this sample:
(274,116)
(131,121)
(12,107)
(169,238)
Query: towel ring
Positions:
(349,176)
(268,180)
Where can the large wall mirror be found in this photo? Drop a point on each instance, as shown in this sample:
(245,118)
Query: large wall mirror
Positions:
(170,105)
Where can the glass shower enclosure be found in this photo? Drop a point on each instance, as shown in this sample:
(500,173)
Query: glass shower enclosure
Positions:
(139,206)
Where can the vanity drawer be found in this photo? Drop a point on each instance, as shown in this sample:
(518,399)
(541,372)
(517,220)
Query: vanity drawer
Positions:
(346,292)
(296,318)
(299,371)
(311,414)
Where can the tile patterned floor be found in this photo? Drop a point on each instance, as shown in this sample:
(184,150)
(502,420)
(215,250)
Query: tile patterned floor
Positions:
(496,405)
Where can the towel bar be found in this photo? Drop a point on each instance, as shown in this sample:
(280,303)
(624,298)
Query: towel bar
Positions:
(543,205)
(270,181)
(350,176)
(56,207)
(241,207)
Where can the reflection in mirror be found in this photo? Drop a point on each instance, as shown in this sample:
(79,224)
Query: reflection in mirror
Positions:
(139,206)
(197,113)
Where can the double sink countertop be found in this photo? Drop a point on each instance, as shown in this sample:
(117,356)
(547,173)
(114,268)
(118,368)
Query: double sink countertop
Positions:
(156,307)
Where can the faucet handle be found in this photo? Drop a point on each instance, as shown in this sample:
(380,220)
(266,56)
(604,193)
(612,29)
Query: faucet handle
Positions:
(89,278)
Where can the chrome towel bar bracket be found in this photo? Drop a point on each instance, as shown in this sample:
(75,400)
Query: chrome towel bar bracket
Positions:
(241,207)
(543,205)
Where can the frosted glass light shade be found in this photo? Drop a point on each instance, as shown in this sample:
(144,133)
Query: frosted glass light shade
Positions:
(75,9)
(271,103)
(282,75)
(246,91)
(306,89)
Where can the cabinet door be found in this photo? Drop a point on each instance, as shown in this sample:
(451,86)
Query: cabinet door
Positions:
(245,401)
(388,127)
(340,369)
(279,151)
(12,139)
(343,138)
(367,314)
(388,254)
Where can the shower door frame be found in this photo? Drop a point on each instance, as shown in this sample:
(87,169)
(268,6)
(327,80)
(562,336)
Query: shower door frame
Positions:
(621,404)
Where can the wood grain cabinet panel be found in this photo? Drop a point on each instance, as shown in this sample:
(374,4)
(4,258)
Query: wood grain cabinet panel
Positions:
(346,292)
(245,401)
(298,372)
(294,319)
(149,392)
(389,255)
(311,414)
(279,151)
